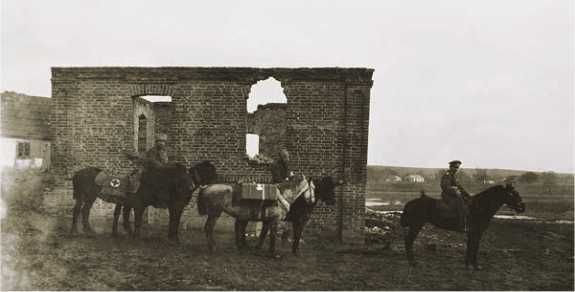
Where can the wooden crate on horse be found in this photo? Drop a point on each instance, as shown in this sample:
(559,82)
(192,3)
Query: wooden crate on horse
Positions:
(261,192)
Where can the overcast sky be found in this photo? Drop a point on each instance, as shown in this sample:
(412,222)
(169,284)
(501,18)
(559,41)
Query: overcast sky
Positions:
(488,82)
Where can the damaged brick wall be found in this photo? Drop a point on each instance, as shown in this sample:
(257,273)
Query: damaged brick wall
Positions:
(270,124)
(326,120)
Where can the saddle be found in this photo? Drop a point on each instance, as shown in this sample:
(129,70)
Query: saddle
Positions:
(450,205)
(114,188)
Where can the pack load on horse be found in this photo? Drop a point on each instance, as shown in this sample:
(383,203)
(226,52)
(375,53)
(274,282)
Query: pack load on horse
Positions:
(298,191)
(169,186)
(482,207)
(157,184)
(114,188)
(91,183)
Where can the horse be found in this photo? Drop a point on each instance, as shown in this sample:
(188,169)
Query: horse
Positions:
(217,198)
(482,207)
(170,187)
(85,192)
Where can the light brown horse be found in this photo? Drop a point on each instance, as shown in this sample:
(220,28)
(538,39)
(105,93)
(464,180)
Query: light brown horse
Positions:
(217,198)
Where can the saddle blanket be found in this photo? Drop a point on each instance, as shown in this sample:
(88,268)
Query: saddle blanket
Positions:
(262,192)
(113,187)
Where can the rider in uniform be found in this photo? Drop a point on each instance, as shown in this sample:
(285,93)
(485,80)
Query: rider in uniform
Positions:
(281,174)
(453,193)
(153,160)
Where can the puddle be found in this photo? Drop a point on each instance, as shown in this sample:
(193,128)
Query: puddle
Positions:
(375,203)
(515,217)
(504,217)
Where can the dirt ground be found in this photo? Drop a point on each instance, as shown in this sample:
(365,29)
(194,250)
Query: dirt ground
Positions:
(39,254)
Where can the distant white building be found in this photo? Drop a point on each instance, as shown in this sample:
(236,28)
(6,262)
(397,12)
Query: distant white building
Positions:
(393,178)
(25,133)
(415,178)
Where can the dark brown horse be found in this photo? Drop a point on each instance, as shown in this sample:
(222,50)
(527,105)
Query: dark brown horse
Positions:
(169,187)
(482,207)
(85,193)
(218,198)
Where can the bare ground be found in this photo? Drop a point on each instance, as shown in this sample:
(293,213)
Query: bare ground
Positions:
(39,254)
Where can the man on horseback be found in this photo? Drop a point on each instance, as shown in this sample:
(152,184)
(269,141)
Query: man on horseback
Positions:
(153,160)
(454,194)
(156,157)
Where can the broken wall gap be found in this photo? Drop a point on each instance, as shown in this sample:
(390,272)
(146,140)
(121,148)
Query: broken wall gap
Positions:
(266,120)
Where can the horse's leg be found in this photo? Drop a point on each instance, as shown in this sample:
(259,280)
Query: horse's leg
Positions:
(209,230)
(138,219)
(297,232)
(117,211)
(237,232)
(86,216)
(175,215)
(243,226)
(263,234)
(240,232)
(473,241)
(284,230)
(75,214)
(126,220)
(413,231)
(273,233)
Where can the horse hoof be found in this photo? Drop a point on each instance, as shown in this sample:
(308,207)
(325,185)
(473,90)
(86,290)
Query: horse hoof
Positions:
(276,256)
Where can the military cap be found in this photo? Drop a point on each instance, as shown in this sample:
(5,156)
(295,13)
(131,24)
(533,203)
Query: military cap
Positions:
(454,162)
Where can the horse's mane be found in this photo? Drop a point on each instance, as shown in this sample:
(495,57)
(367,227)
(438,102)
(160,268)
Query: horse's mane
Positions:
(491,190)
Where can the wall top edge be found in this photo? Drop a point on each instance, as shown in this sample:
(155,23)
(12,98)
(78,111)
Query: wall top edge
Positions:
(237,74)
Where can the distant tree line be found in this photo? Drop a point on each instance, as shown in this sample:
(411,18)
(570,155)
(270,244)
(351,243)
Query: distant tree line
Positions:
(475,179)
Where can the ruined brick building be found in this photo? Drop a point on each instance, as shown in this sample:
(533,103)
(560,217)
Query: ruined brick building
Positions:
(98,115)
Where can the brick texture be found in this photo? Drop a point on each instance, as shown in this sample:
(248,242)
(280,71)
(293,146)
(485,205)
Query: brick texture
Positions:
(94,114)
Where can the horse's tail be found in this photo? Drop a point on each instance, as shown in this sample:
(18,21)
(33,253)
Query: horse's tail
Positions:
(404,220)
(83,182)
(76,186)
(408,210)
(202,208)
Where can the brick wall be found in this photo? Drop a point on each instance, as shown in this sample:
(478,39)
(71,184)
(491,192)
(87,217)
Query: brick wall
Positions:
(326,122)
(270,124)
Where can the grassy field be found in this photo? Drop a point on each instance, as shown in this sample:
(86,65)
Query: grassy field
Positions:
(556,207)
(39,254)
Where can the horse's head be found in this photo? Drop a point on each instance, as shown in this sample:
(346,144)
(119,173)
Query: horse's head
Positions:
(203,173)
(513,199)
(325,189)
(303,187)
